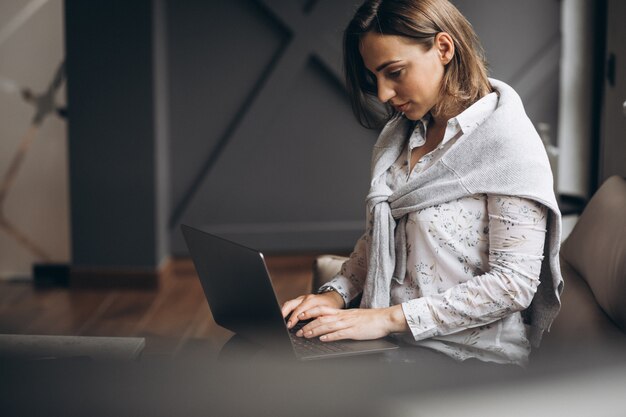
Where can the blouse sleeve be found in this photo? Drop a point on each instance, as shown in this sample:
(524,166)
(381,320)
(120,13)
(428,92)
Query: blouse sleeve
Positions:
(517,229)
(349,282)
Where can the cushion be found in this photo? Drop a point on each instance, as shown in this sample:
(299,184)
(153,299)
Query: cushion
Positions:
(581,319)
(325,268)
(596,248)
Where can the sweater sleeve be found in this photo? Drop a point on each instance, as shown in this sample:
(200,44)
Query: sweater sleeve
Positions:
(517,230)
(349,282)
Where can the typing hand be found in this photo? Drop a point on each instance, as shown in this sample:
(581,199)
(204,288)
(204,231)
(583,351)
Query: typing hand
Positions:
(332,324)
(299,306)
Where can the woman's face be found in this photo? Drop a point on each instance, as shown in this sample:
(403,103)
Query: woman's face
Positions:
(407,75)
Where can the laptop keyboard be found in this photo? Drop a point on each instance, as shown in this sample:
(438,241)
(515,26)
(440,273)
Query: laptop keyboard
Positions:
(313,346)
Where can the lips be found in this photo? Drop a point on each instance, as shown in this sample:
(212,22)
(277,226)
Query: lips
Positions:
(401,107)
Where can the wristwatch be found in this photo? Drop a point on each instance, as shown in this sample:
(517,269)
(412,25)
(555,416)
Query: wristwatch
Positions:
(327,288)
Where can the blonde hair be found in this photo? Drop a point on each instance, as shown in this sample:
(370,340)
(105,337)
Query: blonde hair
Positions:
(465,76)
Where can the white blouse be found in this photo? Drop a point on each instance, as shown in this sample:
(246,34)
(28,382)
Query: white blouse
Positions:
(472,264)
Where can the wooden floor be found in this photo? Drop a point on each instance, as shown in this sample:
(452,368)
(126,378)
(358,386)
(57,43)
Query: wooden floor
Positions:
(174,317)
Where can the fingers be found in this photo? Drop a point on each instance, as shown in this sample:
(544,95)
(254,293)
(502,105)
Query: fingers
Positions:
(311,310)
(357,324)
(307,307)
(328,328)
(288,306)
(297,307)
(340,335)
(298,313)
(320,310)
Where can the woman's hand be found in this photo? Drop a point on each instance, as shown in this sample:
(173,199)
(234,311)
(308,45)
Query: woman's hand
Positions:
(299,306)
(332,324)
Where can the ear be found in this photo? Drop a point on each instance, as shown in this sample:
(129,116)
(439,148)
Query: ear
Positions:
(445,47)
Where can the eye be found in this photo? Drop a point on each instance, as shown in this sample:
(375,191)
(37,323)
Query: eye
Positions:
(395,74)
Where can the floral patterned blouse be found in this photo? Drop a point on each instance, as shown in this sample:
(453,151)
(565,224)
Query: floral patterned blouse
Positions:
(473,264)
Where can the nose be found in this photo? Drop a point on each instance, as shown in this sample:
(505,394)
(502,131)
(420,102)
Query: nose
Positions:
(385,91)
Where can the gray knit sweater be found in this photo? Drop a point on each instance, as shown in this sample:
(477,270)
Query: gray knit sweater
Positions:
(504,155)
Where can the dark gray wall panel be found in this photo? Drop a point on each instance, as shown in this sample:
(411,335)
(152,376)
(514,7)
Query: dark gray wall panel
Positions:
(308,150)
(112,149)
(306,172)
(218,52)
(513,32)
(244,188)
(522,41)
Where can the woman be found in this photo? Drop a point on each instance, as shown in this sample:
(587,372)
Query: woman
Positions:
(460,210)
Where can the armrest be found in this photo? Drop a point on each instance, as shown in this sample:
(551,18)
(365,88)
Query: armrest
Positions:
(325,268)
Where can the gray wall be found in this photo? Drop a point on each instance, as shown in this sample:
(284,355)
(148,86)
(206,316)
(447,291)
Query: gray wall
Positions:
(522,40)
(264,148)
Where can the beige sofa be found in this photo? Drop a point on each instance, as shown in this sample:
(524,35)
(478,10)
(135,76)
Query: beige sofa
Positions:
(593,263)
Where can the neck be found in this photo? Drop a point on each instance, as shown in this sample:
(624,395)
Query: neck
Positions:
(439,119)
(437,122)
(435,132)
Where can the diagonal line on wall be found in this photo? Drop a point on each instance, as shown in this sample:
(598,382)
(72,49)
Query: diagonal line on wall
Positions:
(310,5)
(533,93)
(20,18)
(307,29)
(302,45)
(540,73)
(330,75)
(535,60)
(222,143)
(285,12)
(330,59)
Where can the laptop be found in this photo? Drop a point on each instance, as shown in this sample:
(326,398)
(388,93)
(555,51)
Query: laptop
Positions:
(239,290)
